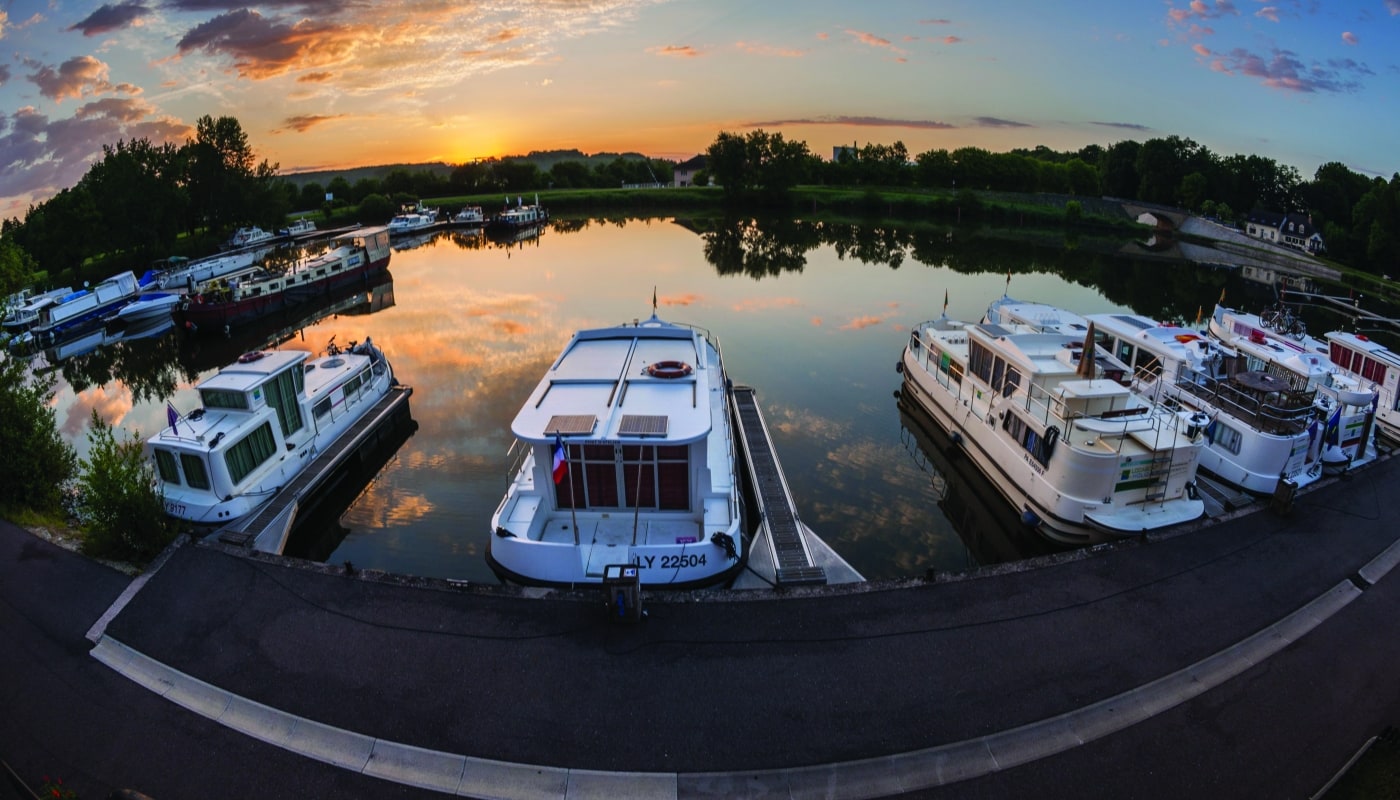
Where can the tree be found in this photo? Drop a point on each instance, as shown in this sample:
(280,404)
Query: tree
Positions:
(1118,169)
(727,160)
(1193,190)
(119,501)
(38,464)
(312,196)
(16,267)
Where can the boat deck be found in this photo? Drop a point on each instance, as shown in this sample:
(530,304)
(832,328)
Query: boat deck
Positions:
(267,528)
(791,556)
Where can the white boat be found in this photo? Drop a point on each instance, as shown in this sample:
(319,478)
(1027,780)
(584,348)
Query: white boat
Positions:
(298,227)
(414,219)
(182,274)
(148,306)
(1049,420)
(24,310)
(511,222)
(470,215)
(85,306)
(247,237)
(626,455)
(262,419)
(1341,434)
(1377,368)
(1259,420)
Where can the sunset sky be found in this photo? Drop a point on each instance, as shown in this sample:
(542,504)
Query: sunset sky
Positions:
(340,83)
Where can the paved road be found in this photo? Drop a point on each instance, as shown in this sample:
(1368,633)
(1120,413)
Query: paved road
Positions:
(728,684)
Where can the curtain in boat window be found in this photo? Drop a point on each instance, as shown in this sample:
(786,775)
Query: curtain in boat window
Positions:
(599,480)
(195,474)
(282,394)
(165,465)
(245,456)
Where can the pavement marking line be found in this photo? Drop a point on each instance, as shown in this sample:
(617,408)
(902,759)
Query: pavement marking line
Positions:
(99,627)
(845,780)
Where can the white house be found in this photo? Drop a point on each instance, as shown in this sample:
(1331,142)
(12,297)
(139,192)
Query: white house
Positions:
(1292,230)
(685,171)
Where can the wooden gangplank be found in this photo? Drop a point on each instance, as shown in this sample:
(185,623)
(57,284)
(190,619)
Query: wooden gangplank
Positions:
(273,521)
(792,558)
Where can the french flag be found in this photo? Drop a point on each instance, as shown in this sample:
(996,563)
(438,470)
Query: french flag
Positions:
(172,416)
(561,459)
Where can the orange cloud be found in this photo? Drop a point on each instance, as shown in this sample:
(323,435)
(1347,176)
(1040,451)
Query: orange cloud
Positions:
(305,122)
(769,50)
(682,51)
(1349,37)
(860,323)
(952,39)
(1201,50)
(315,77)
(74,78)
(679,300)
(503,37)
(871,39)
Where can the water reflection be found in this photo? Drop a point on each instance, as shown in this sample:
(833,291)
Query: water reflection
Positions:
(988,526)
(812,313)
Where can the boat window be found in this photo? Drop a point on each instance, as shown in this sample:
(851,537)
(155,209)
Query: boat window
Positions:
(998,372)
(1226,437)
(1340,355)
(223,398)
(282,397)
(1123,350)
(627,476)
(253,450)
(195,474)
(1013,381)
(165,465)
(351,387)
(322,408)
(979,360)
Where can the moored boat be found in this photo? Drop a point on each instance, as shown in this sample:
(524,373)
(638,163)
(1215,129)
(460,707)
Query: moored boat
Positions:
(412,219)
(181,274)
(261,421)
(247,237)
(354,257)
(512,222)
(1341,435)
(1377,367)
(23,313)
(75,311)
(469,215)
(148,306)
(626,455)
(1051,422)
(300,226)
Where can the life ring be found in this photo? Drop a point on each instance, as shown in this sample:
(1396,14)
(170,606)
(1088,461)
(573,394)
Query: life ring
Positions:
(250,356)
(668,369)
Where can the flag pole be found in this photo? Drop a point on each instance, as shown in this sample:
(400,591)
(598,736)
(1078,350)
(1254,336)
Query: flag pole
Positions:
(573,500)
(637,497)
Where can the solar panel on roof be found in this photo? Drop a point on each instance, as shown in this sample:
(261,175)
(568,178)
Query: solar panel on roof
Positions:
(570,424)
(643,425)
(1140,324)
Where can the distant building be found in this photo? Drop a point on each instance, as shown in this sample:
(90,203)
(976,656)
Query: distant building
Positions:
(685,171)
(1291,230)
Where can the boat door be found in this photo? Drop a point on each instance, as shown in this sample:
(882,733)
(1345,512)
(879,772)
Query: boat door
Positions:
(611,543)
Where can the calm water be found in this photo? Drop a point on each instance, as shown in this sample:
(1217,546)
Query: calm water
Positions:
(813,316)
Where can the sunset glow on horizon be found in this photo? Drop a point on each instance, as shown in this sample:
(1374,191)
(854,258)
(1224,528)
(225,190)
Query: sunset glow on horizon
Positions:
(339,84)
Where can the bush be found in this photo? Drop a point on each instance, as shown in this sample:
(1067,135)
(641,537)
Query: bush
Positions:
(119,503)
(37,463)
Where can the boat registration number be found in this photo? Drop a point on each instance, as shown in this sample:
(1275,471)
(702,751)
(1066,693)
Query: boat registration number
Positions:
(174,509)
(671,562)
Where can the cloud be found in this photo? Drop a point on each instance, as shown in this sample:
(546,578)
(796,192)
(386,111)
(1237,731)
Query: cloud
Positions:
(123,109)
(1131,126)
(1201,50)
(1284,70)
(993,122)
(682,51)
(109,18)
(1350,38)
(952,39)
(305,122)
(74,78)
(315,77)
(1200,9)
(262,47)
(868,321)
(1394,6)
(1268,12)
(4,74)
(862,122)
(871,39)
(935,22)
(679,300)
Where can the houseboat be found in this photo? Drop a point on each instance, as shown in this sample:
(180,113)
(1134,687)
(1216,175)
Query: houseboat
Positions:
(353,258)
(1052,423)
(1377,367)
(625,455)
(1259,420)
(247,237)
(178,273)
(77,310)
(23,310)
(1345,405)
(469,215)
(510,223)
(261,421)
(412,219)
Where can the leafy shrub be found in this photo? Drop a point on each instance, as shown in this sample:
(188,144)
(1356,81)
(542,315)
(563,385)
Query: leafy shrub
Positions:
(119,503)
(37,463)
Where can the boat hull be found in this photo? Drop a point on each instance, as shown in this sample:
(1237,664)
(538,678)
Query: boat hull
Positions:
(196,315)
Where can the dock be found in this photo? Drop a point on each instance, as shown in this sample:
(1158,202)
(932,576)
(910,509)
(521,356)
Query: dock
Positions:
(779,525)
(267,528)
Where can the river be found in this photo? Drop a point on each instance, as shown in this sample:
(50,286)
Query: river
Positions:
(813,315)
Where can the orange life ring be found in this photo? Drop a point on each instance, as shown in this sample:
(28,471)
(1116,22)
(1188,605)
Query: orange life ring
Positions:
(250,356)
(668,369)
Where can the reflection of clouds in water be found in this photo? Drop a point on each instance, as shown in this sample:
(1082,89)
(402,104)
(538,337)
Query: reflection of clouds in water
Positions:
(800,422)
(110,402)
(816,322)
(679,300)
(868,321)
(383,505)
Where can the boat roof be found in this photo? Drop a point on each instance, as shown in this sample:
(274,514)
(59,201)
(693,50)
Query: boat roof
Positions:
(599,388)
(241,376)
(1370,347)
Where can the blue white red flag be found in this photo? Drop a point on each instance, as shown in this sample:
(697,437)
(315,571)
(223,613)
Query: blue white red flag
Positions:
(172,416)
(561,459)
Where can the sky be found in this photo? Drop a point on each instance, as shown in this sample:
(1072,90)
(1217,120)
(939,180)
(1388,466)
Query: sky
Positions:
(326,84)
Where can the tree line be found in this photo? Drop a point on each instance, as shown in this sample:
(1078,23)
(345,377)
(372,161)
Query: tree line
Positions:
(1358,216)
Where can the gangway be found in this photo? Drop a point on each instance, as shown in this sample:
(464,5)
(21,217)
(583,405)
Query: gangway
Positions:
(792,558)
(267,528)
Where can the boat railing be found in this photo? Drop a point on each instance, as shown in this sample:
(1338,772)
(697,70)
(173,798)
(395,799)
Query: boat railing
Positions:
(515,457)
(1280,413)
